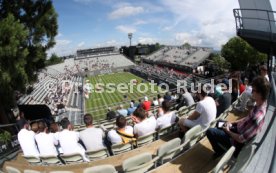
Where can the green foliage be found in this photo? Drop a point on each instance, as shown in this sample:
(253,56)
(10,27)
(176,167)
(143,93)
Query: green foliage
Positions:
(240,54)
(5,137)
(12,57)
(220,63)
(186,45)
(27,31)
(54,59)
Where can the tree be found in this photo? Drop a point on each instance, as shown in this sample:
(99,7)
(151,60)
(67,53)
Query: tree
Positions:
(220,63)
(40,19)
(12,58)
(54,59)
(187,45)
(240,54)
(27,31)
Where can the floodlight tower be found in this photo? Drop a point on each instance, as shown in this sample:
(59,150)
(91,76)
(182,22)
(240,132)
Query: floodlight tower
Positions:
(129,37)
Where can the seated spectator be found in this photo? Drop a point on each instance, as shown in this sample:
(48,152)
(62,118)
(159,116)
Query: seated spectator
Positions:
(168,117)
(160,112)
(34,127)
(235,90)
(168,96)
(146,104)
(69,139)
(140,103)
(203,115)
(136,104)
(218,91)
(20,120)
(131,109)
(245,97)
(155,102)
(93,138)
(224,101)
(46,142)
(110,114)
(26,140)
(160,99)
(174,96)
(241,87)
(239,132)
(143,125)
(188,98)
(122,111)
(123,133)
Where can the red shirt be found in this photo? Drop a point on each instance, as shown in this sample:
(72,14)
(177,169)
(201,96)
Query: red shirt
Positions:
(242,88)
(146,105)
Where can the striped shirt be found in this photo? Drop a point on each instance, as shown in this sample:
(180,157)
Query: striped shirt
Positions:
(252,124)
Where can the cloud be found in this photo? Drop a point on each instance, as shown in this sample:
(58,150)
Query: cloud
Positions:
(140,22)
(146,40)
(59,35)
(108,43)
(62,47)
(125,11)
(210,26)
(126,29)
(185,37)
(81,44)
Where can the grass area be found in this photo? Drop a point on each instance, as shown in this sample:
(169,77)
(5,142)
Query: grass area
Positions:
(98,103)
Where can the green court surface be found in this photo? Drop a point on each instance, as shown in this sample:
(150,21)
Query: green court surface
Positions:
(98,102)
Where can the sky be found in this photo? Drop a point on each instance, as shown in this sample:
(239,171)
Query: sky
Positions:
(99,23)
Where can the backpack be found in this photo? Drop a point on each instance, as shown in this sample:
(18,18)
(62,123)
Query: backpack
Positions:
(126,138)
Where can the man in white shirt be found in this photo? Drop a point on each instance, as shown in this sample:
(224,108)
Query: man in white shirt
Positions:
(92,137)
(45,141)
(167,118)
(26,140)
(68,140)
(203,115)
(143,125)
(123,133)
(155,102)
(188,98)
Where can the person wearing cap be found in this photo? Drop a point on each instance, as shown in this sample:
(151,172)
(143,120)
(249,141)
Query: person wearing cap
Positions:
(121,110)
(131,109)
(26,140)
(263,70)
(146,104)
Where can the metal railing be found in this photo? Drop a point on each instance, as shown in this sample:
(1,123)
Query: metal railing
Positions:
(263,15)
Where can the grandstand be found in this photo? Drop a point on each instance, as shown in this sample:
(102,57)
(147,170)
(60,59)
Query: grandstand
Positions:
(160,151)
(180,55)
